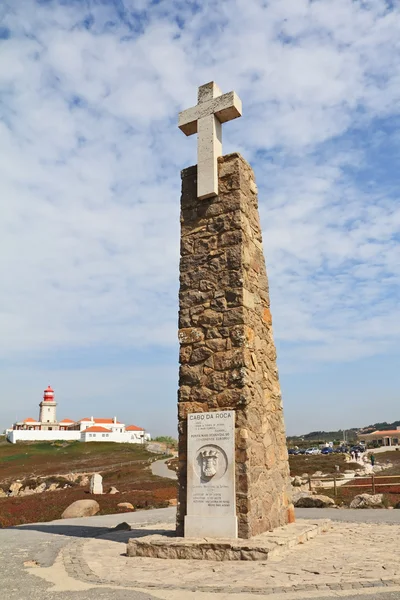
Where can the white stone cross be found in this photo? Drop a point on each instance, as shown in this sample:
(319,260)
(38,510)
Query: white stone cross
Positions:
(213,108)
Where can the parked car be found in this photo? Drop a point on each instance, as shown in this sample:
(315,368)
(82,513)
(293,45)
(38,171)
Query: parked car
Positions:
(357,449)
(327,450)
(341,449)
(313,451)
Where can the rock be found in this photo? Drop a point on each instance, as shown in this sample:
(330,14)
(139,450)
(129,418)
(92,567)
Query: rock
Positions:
(26,491)
(113,490)
(2,493)
(84,481)
(126,505)
(14,488)
(124,526)
(96,484)
(318,501)
(305,476)
(377,469)
(360,473)
(81,508)
(40,488)
(52,487)
(297,495)
(367,501)
(318,474)
(349,472)
(297,481)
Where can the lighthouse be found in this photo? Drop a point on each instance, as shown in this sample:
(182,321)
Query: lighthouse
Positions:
(47,413)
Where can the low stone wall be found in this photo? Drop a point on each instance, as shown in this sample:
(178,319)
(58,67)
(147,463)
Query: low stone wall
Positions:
(261,547)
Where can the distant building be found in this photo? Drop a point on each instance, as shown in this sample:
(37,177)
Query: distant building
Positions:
(383,438)
(89,429)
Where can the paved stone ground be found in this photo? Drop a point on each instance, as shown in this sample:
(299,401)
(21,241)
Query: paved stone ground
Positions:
(64,561)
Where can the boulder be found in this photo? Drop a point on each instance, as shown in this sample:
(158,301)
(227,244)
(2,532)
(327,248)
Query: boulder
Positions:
(367,501)
(297,481)
(297,494)
(2,493)
(81,508)
(14,488)
(377,469)
(126,505)
(84,481)
(113,490)
(318,474)
(52,487)
(319,501)
(26,491)
(40,488)
(124,526)
(362,473)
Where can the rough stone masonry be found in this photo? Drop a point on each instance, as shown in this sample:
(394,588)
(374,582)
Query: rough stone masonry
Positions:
(227,352)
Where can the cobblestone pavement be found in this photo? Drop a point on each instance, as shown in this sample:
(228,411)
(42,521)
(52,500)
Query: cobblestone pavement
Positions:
(65,561)
(348,556)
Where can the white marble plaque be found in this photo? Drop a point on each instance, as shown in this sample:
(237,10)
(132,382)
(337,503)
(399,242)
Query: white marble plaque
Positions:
(211,500)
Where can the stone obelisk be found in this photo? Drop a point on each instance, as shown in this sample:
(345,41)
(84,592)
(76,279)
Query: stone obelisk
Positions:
(227,351)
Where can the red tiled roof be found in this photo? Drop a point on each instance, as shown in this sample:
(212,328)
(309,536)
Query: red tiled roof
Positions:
(133,428)
(30,420)
(101,421)
(97,429)
(67,421)
(388,432)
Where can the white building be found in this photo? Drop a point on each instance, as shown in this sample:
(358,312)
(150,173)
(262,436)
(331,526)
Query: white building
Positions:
(92,429)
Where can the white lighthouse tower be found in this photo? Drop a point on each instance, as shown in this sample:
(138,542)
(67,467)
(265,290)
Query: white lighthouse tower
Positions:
(47,414)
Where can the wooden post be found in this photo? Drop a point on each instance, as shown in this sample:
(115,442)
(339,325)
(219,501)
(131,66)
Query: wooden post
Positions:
(334,486)
(373,483)
(309,483)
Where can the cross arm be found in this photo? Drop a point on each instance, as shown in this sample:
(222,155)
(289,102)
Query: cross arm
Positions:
(225,108)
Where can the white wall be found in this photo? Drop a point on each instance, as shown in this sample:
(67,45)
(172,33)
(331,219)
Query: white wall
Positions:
(127,437)
(25,435)
(21,435)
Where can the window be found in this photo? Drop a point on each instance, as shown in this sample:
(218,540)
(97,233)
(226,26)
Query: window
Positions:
(103,435)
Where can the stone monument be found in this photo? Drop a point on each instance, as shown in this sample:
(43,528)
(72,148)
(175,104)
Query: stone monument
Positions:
(233,471)
(96,484)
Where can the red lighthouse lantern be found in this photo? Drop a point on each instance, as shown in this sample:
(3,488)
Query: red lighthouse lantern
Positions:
(48,395)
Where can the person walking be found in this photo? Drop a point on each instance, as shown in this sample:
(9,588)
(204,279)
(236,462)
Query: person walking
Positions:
(372,457)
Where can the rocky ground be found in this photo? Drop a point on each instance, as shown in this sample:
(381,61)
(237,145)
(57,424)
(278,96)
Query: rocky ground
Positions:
(60,472)
(354,485)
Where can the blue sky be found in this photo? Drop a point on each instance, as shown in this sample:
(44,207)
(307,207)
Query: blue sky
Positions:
(90,160)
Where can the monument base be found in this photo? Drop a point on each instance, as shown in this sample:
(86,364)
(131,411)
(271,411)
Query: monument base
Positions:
(261,547)
(211,527)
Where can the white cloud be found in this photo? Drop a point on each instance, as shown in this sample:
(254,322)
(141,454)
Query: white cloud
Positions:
(90,160)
